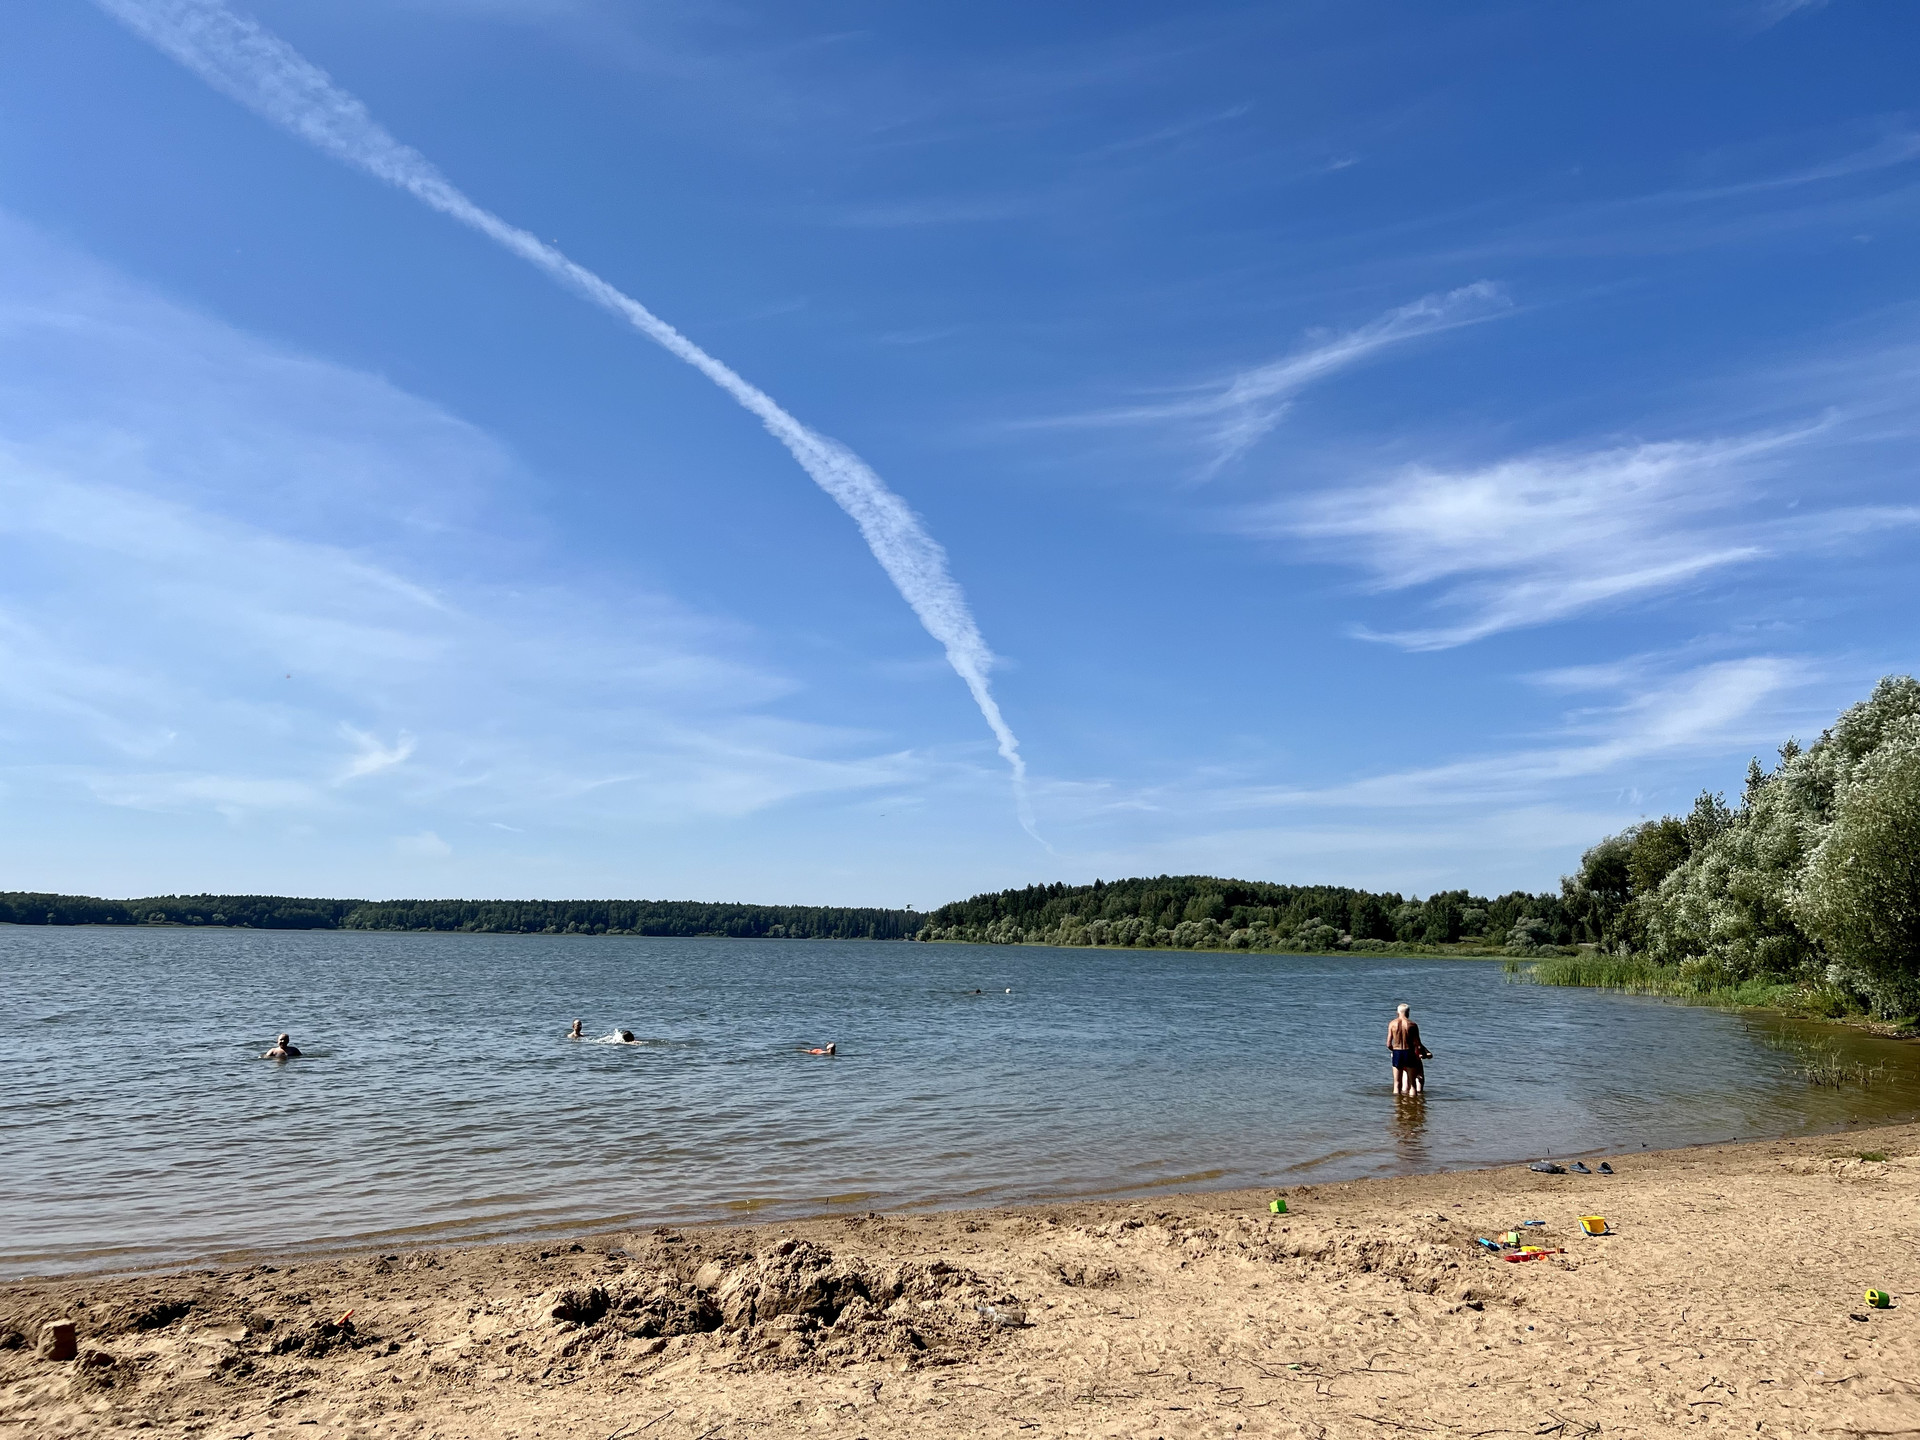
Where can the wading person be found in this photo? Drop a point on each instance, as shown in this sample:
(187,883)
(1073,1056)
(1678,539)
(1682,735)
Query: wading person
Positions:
(1403,1045)
(283,1049)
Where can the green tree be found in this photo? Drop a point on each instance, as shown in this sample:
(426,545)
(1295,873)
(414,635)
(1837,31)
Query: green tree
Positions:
(1860,893)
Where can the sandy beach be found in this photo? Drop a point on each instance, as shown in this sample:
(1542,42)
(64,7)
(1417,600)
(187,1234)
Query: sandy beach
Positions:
(1728,1299)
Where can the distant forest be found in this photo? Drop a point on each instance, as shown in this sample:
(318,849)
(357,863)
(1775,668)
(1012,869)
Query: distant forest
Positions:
(1202,912)
(512,917)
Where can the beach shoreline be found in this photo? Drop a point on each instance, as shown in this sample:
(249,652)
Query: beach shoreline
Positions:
(1724,1300)
(567,1230)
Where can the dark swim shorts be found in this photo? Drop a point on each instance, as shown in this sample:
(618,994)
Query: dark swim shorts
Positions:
(1403,1059)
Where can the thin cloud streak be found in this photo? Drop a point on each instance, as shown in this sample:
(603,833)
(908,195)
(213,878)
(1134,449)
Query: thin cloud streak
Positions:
(1543,537)
(373,757)
(1775,11)
(1250,404)
(1706,708)
(1675,220)
(1638,740)
(251,65)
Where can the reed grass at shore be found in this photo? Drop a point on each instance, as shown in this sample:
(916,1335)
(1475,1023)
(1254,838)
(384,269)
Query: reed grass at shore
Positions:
(1638,975)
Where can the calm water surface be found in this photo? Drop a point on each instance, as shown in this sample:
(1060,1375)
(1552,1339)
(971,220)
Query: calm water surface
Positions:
(439,1101)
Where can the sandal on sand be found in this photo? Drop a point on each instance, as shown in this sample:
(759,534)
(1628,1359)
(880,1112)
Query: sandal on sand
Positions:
(1605,1169)
(1580,1169)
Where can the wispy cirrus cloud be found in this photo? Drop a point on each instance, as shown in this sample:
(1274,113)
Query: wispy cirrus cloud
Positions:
(1230,416)
(1773,197)
(1634,736)
(371,756)
(1774,11)
(1545,536)
(237,582)
(1653,712)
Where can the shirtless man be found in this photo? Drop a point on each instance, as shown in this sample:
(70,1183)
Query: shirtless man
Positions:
(831,1048)
(1403,1044)
(283,1049)
(577,1033)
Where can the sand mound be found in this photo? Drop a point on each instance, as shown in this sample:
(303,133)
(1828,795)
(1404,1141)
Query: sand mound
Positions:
(795,1303)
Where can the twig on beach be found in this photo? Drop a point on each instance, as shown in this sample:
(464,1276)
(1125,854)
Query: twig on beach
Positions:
(644,1428)
(1396,1424)
(1562,1425)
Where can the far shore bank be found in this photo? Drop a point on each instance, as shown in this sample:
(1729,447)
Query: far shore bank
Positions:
(1730,1295)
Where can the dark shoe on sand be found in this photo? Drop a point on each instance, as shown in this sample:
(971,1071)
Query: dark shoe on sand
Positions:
(1547,1167)
(1580,1169)
(1605,1169)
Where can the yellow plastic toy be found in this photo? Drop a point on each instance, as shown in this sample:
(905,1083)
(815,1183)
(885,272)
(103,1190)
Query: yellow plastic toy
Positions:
(1879,1299)
(1594,1224)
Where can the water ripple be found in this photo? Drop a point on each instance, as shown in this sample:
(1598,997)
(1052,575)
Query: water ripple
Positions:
(438,1100)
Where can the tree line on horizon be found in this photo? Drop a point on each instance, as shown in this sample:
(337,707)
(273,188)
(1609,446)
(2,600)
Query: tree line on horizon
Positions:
(687,918)
(1205,912)
(1811,881)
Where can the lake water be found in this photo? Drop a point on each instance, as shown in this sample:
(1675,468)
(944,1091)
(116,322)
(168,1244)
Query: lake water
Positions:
(438,1101)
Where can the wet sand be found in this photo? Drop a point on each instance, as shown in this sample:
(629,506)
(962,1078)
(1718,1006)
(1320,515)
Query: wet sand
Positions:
(1729,1300)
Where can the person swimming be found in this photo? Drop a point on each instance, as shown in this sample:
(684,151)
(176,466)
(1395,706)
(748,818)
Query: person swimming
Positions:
(626,1038)
(578,1031)
(283,1049)
(828,1049)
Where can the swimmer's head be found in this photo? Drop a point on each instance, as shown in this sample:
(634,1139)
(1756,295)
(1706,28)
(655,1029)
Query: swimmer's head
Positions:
(832,1047)
(1404,1009)
(626,1037)
(282,1042)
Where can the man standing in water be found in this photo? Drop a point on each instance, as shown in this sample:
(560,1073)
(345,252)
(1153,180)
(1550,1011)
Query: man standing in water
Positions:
(1403,1044)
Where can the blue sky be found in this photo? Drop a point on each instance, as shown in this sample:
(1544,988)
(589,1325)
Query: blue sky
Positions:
(1380,443)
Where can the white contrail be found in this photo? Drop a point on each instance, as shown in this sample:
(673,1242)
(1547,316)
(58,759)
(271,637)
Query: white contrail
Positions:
(240,58)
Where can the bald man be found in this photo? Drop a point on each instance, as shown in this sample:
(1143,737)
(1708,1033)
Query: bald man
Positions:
(283,1049)
(1403,1045)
